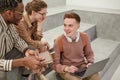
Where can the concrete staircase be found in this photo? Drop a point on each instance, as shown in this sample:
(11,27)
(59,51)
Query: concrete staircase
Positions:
(103,45)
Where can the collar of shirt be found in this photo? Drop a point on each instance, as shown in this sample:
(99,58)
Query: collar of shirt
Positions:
(77,37)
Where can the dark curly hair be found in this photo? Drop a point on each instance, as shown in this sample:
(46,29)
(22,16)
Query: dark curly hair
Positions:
(8,4)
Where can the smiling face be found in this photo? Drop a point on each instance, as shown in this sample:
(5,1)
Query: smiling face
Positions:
(37,10)
(70,27)
(41,15)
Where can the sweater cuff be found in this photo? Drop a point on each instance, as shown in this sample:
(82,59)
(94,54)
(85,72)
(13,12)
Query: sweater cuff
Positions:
(7,65)
(60,68)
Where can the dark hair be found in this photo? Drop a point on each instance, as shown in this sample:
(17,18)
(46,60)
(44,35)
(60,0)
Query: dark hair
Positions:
(73,15)
(35,5)
(8,4)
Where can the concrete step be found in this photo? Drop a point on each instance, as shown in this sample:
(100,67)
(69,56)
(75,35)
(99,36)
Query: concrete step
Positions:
(116,75)
(112,66)
(52,34)
(104,48)
(55,3)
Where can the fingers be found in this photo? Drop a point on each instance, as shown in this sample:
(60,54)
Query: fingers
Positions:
(45,43)
(41,59)
(71,69)
(88,64)
(43,49)
(47,46)
(32,52)
(33,62)
(39,21)
(46,66)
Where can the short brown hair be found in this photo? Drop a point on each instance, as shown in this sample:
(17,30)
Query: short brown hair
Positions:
(35,5)
(73,15)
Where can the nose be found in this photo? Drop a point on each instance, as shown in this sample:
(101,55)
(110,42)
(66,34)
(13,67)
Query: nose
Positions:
(19,18)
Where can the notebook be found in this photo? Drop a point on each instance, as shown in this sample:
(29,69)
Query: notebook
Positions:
(94,68)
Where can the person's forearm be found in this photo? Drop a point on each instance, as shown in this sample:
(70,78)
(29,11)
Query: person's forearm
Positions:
(17,62)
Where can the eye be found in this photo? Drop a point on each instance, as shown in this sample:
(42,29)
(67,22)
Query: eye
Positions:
(64,24)
(70,25)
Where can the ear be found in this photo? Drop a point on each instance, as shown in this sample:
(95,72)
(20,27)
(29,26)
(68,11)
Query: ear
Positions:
(78,26)
(33,13)
(9,13)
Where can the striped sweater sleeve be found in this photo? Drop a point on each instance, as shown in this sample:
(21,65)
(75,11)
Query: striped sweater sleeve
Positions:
(20,44)
(5,65)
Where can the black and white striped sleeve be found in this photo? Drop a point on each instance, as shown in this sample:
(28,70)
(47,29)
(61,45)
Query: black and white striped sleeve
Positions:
(5,65)
(20,44)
